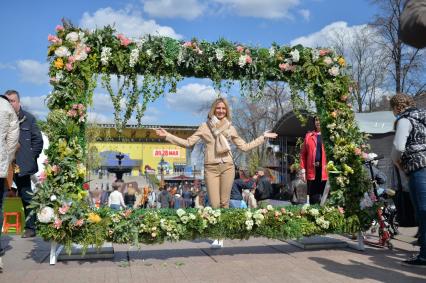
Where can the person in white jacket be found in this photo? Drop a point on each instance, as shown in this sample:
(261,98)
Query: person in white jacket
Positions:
(9,135)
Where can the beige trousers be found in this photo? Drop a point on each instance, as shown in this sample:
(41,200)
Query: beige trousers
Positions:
(219,178)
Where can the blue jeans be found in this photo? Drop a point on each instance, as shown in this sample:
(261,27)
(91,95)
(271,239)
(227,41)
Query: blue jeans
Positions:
(115,206)
(233,203)
(417,183)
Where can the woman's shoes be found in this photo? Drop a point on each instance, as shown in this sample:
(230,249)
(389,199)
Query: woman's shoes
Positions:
(217,244)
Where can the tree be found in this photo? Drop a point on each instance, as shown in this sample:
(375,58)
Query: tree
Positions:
(367,61)
(252,118)
(407,65)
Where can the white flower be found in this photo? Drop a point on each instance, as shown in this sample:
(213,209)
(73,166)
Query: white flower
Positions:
(219,54)
(334,71)
(80,52)
(149,52)
(242,60)
(192,216)
(314,212)
(105,55)
(72,36)
(271,51)
(46,215)
(315,54)
(180,212)
(295,56)
(82,37)
(62,52)
(328,60)
(134,55)
(53,198)
(59,76)
(269,207)
(249,224)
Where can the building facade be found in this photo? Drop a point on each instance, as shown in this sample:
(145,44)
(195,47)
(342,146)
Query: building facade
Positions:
(142,145)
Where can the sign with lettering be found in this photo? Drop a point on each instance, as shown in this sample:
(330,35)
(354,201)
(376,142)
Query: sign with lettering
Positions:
(166,152)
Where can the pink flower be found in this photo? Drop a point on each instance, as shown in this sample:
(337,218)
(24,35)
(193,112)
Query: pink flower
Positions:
(53,79)
(248,59)
(240,48)
(59,28)
(64,208)
(71,59)
(42,177)
(357,151)
(79,222)
(58,223)
(80,107)
(75,106)
(364,155)
(247,51)
(344,97)
(187,44)
(88,49)
(72,113)
(54,39)
(341,210)
(46,161)
(286,67)
(68,66)
(324,52)
(55,169)
(123,40)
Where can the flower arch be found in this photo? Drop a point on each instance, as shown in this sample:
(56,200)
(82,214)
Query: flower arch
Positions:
(78,57)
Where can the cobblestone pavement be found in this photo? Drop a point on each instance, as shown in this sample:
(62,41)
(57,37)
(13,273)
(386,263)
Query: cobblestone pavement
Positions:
(254,260)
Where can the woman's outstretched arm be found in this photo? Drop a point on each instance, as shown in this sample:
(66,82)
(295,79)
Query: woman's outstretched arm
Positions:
(189,142)
(244,146)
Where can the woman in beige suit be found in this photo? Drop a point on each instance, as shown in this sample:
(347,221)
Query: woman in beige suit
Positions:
(217,132)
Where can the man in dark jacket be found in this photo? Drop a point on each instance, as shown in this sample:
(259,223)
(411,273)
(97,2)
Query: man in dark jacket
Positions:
(30,147)
(263,187)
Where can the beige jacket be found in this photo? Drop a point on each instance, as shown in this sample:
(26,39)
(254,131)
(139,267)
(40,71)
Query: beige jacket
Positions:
(210,154)
(9,135)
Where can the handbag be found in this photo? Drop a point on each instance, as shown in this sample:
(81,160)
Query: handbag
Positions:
(405,213)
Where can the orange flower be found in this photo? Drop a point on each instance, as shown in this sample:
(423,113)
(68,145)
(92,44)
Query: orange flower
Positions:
(59,63)
(334,114)
(341,61)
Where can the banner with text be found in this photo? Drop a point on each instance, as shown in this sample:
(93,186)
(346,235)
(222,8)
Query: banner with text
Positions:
(166,152)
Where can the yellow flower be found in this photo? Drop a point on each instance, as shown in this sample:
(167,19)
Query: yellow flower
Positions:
(347,170)
(94,218)
(59,63)
(81,170)
(341,61)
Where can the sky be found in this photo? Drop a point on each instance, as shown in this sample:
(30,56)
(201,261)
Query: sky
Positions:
(25,26)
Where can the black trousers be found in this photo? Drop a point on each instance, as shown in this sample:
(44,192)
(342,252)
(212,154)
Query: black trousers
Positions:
(23,184)
(316,187)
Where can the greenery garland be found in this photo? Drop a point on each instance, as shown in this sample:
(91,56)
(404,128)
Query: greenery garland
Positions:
(77,57)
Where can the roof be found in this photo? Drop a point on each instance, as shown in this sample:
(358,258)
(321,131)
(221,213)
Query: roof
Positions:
(380,122)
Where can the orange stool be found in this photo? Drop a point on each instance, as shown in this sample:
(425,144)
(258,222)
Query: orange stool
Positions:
(16,225)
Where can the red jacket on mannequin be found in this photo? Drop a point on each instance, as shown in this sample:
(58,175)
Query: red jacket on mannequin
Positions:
(307,157)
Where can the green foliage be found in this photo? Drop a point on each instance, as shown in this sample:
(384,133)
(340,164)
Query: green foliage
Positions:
(77,57)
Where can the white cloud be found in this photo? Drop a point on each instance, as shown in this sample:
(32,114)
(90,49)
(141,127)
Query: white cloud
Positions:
(269,9)
(36,105)
(187,9)
(326,35)
(191,98)
(306,14)
(128,21)
(7,66)
(33,71)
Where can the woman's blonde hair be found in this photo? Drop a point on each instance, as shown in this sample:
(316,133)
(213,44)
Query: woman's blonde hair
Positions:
(131,190)
(401,101)
(215,103)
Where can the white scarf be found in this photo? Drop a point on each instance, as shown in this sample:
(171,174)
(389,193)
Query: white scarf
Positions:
(220,130)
